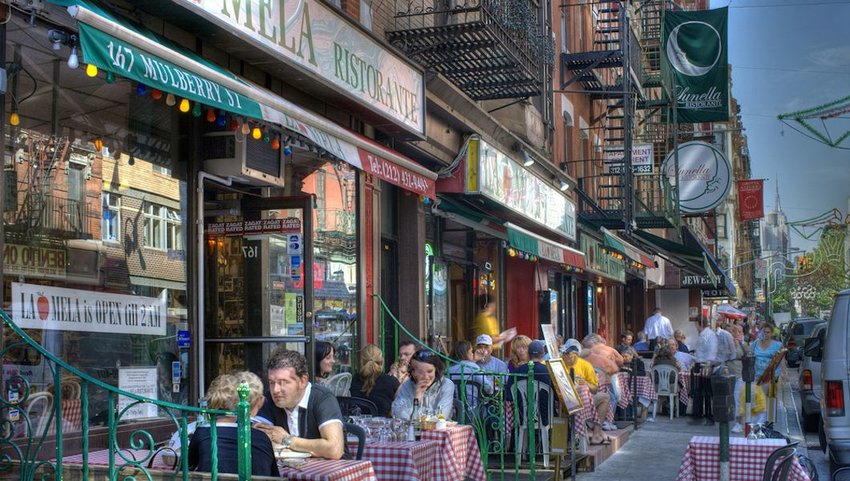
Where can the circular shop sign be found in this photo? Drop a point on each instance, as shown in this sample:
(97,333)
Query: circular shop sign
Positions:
(704,176)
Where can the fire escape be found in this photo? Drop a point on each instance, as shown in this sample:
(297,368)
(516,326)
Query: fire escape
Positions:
(622,72)
(43,216)
(490,49)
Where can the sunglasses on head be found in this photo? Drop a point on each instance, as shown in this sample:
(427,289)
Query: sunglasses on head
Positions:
(423,355)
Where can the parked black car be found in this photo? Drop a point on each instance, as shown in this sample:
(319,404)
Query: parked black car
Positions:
(795,334)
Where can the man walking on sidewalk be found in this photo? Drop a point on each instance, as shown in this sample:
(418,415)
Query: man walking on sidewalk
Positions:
(657,326)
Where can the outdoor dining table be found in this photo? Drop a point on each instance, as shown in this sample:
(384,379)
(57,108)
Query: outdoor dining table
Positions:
(646,389)
(459,457)
(312,470)
(402,461)
(747,459)
(329,470)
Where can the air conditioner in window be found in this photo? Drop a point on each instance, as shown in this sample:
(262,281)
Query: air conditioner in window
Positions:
(230,154)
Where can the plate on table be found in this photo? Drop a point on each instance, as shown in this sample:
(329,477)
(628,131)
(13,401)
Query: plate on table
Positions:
(281,453)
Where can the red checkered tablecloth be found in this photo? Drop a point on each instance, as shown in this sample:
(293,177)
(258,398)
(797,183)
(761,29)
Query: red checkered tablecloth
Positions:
(684,388)
(701,461)
(101,458)
(402,461)
(459,458)
(588,410)
(646,389)
(328,470)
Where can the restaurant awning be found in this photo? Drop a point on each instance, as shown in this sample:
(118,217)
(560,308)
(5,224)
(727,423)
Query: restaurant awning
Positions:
(114,45)
(528,241)
(627,249)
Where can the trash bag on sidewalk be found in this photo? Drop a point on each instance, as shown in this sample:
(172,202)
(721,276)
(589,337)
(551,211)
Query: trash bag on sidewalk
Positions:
(759,402)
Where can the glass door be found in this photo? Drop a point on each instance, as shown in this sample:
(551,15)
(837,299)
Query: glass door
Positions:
(258,283)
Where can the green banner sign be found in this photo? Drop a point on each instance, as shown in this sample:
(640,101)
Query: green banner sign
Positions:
(695,49)
(111,54)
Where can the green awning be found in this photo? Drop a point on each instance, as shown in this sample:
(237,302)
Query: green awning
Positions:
(532,243)
(115,45)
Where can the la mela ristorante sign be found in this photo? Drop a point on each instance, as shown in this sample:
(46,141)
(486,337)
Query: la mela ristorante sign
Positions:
(60,309)
(316,39)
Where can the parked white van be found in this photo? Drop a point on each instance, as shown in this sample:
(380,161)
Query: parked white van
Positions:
(835,376)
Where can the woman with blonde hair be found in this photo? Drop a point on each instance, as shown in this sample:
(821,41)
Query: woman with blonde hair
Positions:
(519,352)
(223,395)
(372,383)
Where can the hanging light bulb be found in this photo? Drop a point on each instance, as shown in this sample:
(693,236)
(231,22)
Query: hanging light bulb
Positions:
(110,78)
(221,120)
(266,137)
(91,70)
(257,134)
(170,100)
(246,128)
(73,59)
(141,89)
(196,110)
(156,94)
(185,105)
(234,124)
(98,145)
(275,143)
(210,115)
(14,119)
(287,151)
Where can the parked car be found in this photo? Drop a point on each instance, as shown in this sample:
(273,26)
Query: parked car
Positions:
(793,336)
(810,385)
(835,378)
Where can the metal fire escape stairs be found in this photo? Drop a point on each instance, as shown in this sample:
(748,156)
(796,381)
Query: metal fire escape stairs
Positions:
(607,73)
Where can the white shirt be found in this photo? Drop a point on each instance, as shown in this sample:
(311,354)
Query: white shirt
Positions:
(657,326)
(292,416)
(686,361)
(706,350)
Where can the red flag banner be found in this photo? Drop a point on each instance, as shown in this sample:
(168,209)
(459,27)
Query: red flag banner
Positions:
(751,199)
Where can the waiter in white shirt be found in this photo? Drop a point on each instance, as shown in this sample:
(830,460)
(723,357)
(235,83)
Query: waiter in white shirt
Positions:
(706,357)
(657,326)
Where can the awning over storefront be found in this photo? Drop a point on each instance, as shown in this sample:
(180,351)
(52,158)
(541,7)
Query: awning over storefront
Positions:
(113,45)
(544,248)
(629,250)
(694,258)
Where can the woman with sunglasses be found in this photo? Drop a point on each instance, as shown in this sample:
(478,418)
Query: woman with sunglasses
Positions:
(426,390)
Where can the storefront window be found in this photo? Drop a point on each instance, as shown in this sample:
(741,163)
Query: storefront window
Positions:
(94,243)
(334,186)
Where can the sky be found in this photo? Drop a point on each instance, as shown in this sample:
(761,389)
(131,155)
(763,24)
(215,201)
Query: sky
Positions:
(786,56)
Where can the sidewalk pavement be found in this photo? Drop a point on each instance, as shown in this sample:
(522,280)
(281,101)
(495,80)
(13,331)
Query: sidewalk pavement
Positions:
(654,452)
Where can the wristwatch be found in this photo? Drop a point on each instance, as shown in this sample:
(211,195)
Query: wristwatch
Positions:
(287,441)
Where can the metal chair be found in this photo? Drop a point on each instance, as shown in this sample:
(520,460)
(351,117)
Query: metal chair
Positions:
(357,431)
(540,388)
(356,406)
(778,464)
(665,378)
(339,384)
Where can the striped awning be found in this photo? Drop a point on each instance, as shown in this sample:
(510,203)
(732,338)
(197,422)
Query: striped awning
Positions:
(544,248)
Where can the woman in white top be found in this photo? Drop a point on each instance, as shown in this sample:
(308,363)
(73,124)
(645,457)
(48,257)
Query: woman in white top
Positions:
(426,390)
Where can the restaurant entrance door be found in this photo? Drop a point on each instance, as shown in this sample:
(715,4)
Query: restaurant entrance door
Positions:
(258,283)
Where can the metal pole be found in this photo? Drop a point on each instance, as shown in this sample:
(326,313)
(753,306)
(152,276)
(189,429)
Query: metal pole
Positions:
(572,435)
(748,406)
(724,451)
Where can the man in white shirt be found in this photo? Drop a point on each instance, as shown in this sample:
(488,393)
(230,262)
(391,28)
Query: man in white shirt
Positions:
(706,357)
(657,326)
(686,360)
(305,416)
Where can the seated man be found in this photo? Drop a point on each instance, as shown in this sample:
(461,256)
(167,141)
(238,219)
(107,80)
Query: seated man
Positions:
(600,355)
(466,370)
(642,345)
(305,416)
(586,376)
(685,359)
(485,359)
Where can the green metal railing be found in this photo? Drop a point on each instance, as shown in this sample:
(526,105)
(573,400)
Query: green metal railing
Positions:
(488,412)
(24,434)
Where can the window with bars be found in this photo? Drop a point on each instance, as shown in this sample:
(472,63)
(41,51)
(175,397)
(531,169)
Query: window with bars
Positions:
(111,217)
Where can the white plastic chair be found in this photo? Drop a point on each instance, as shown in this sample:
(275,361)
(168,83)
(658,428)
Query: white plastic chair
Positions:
(39,406)
(539,388)
(339,384)
(665,378)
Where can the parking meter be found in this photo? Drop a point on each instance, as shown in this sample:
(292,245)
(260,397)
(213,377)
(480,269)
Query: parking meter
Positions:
(723,398)
(748,363)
